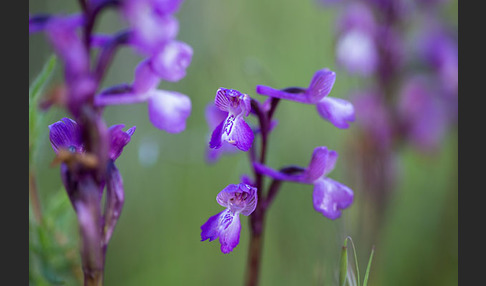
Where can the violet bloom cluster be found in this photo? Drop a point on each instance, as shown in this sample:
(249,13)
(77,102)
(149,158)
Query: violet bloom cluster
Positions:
(230,132)
(152,30)
(85,146)
(371,43)
(66,138)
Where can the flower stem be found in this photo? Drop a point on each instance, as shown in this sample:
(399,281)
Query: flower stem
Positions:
(258,216)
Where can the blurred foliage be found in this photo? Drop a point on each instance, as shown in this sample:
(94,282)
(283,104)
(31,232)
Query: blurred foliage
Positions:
(53,247)
(170,190)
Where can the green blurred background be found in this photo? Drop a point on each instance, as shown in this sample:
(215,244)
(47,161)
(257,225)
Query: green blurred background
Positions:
(170,190)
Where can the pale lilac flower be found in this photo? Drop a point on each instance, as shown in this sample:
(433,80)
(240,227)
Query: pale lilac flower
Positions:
(329,197)
(356,48)
(171,61)
(335,110)
(233,129)
(168,110)
(237,199)
(152,23)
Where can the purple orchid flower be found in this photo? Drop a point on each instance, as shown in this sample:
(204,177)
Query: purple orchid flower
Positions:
(237,199)
(171,61)
(423,113)
(356,49)
(329,197)
(66,134)
(233,129)
(168,110)
(62,33)
(152,23)
(335,110)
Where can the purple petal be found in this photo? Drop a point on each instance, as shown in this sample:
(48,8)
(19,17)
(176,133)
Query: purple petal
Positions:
(168,110)
(114,201)
(145,78)
(230,236)
(171,62)
(226,194)
(225,225)
(67,44)
(356,51)
(215,141)
(330,197)
(213,155)
(336,110)
(269,91)
(119,139)
(320,85)
(210,229)
(166,6)
(214,115)
(241,198)
(66,134)
(322,162)
(237,132)
(151,30)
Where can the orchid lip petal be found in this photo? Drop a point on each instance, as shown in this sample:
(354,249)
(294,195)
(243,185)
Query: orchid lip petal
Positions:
(237,132)
(169,110)
(337,111)
(331,197)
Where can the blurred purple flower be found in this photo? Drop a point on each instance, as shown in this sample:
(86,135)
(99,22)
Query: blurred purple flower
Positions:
(152,23)
(373,117)
(335,110)
(66,134)
(439,49)
(423,113)
(168,110)
(233,129)
(171,61)
(329,197)
(356,48)
(241,198)
(62,33)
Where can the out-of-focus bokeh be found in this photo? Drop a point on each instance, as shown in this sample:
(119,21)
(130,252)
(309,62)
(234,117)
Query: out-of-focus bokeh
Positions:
(170,189)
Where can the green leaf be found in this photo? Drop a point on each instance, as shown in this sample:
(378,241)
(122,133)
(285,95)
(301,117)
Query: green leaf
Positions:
(41,79)
(35,90)
(365,281)
(344,264)
(355,258)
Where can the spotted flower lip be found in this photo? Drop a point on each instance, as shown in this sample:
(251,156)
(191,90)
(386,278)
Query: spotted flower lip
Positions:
(335,110)
(233,129)
(329,197)
(237,199)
